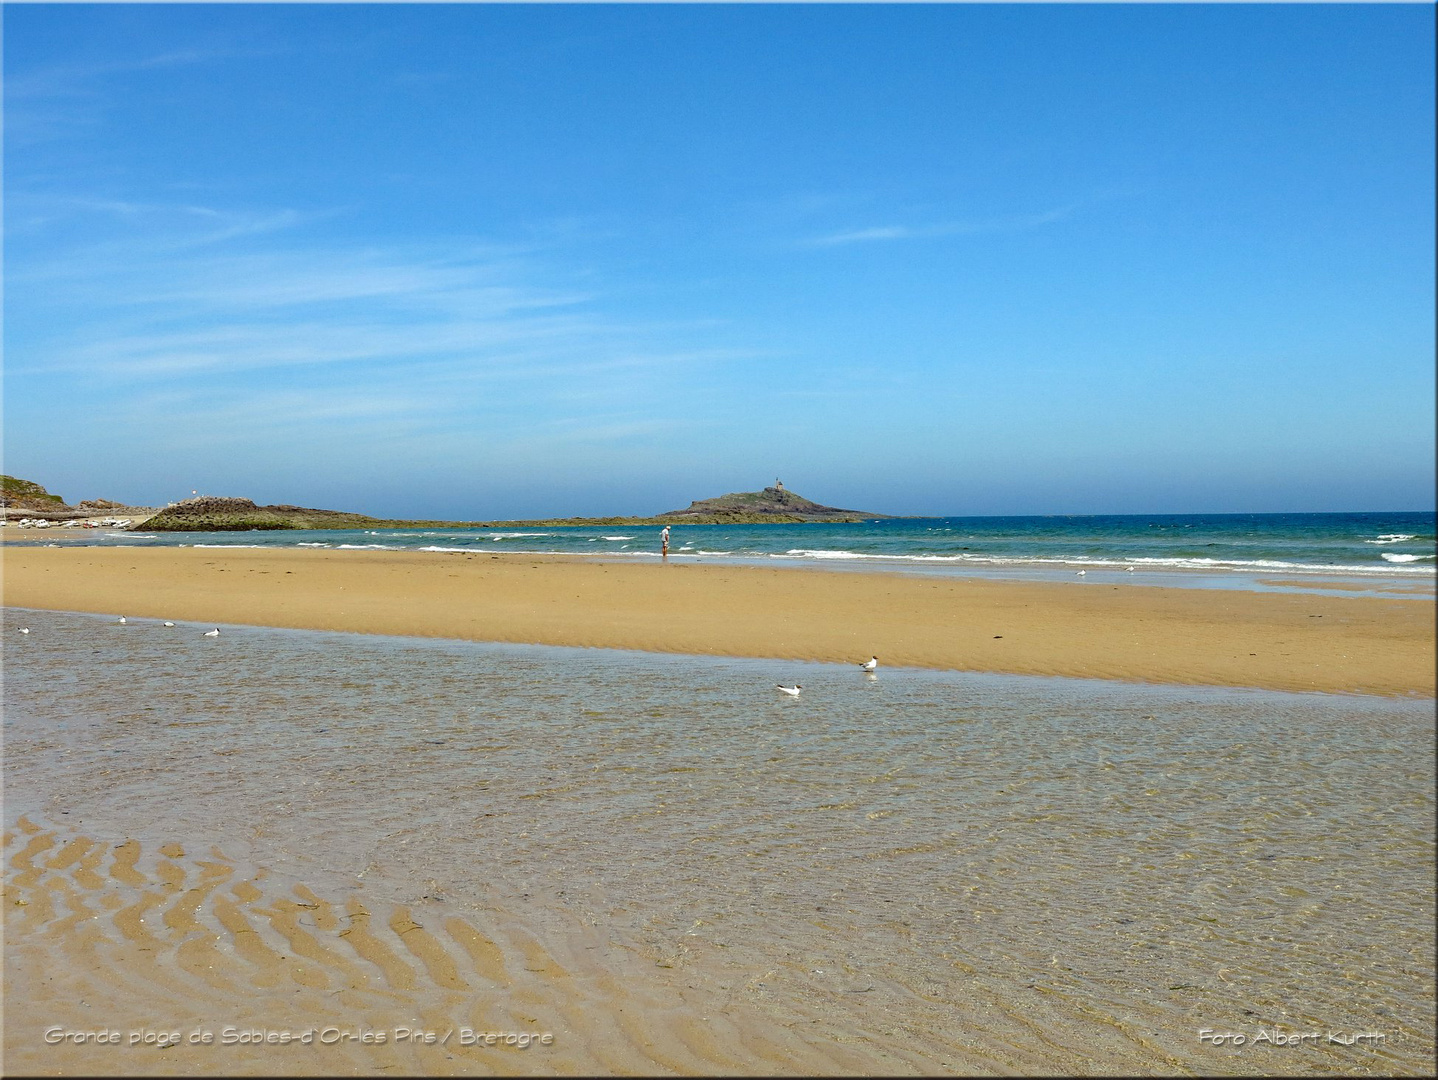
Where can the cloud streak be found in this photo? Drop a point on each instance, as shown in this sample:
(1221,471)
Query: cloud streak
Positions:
(63,100)
(143,230)
(460,336)
(937,230)
(78,79)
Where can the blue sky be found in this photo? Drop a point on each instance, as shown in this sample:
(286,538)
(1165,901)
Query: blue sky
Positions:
(475,261)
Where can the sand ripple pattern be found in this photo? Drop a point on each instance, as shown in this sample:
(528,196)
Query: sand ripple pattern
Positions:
(160,939)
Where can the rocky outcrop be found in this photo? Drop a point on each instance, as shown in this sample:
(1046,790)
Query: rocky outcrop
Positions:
(20,494)
(215,513)
(771,504)
(24,499)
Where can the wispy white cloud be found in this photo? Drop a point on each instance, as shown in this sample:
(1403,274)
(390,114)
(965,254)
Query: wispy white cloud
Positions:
(63,100)
(461,283)
(59,205)
(263,331)
(167,313)
(615,427)
(240,346)
(935,230)
(878,232)
(81,79)
(193,410)
(141,228)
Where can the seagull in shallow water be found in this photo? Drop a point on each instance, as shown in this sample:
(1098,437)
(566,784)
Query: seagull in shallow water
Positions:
(169,624)
(24,629)
(212,633)
(870,664)
(122,620)
(792,691)
(1081,573)
(1129,569)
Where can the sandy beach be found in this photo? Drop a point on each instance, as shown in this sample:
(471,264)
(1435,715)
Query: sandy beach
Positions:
(1201,637)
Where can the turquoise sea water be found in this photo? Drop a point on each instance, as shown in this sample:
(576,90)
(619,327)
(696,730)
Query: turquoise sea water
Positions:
(1232,550)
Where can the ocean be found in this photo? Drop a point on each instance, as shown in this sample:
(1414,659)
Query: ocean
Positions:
(1380,553)
(920,871)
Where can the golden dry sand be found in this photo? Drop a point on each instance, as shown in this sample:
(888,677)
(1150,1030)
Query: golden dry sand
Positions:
(1196,636)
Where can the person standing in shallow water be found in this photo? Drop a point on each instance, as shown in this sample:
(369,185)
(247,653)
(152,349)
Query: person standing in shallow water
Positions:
(664,542)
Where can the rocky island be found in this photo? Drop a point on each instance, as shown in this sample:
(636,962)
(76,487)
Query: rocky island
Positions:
(209,513)
(773,505)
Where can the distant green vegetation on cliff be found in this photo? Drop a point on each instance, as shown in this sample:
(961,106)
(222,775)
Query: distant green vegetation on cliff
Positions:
(28,494)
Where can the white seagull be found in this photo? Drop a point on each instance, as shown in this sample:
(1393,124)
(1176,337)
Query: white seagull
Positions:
(24,629)
(169,624)
(212,633)
(1081,573)
(792,691)
(870,664)
(122,620)
(1129,569)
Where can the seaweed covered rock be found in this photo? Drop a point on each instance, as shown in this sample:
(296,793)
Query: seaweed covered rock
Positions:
(216,513)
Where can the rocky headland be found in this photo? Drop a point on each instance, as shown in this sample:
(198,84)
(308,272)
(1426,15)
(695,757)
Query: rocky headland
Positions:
(26,503)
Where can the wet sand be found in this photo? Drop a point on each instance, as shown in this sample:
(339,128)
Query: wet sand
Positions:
(1086,630)
(126,958)
(236,837)
(1421,590)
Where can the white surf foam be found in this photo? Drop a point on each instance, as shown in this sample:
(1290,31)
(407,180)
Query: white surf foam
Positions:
(1152,563)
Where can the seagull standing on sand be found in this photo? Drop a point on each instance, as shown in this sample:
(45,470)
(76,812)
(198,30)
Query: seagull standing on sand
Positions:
(792,691)
(212,633)
(870,664)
